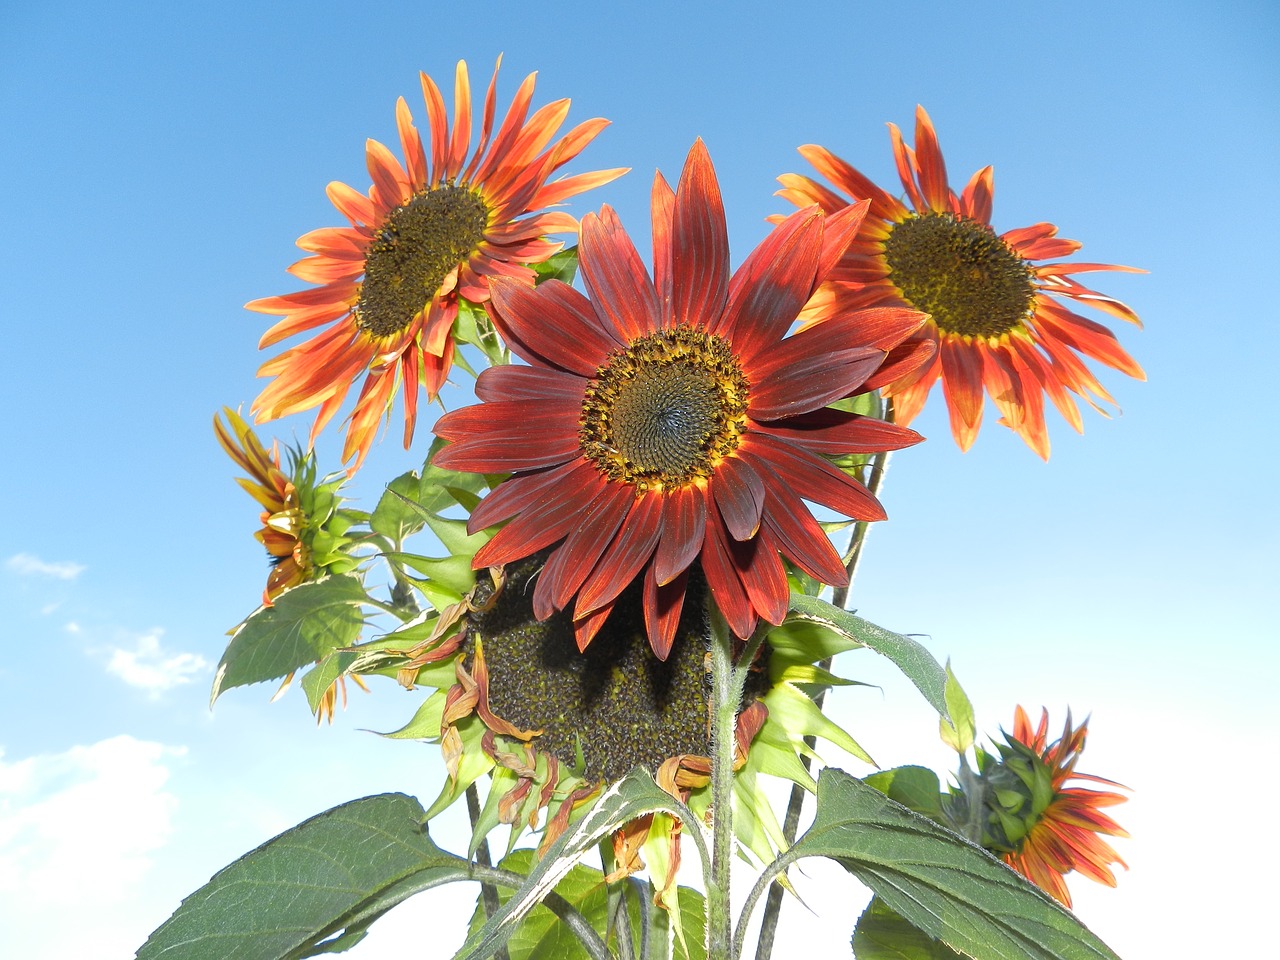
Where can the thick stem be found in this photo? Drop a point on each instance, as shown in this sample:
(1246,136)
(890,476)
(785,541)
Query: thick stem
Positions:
(840,597)
(724,709)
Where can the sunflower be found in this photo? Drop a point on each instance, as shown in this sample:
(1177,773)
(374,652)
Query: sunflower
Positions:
(1001,319)
(425,236)
(1041,827)
(670,420)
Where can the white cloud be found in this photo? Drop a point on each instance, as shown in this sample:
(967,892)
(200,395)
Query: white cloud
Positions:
(80,825)
(150,667)
(30,565)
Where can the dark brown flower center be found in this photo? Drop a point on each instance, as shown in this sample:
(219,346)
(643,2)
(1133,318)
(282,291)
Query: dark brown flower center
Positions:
(616,704)
(413,251)
(666,410)
(959,271)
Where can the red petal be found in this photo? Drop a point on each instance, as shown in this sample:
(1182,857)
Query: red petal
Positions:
(763,576)
(722,580)
(627,555)
(663,203)
(551,324)
(799,378)
(837,432)
(526,491)
(933,170)
(773,283)
(700,244)
(797,533)
(813,477)
(538,527)
(615,277)
(739,494)
(962,385)
(582,549)
(511,382)
(684,518)
(662,608)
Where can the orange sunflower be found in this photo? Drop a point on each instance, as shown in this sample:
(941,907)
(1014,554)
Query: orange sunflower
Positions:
(666,420)
(1001,319)
(282,516)
(1056,828)
(425,235)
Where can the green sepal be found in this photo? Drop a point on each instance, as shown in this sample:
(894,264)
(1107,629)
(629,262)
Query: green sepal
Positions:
(562,266)
(474,764)
(325,673)
(425,722)
(957,732)
(800,715)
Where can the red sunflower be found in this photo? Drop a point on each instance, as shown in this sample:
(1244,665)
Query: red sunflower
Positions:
(425,235)
(1002,320)
(670,420)
(1066,831)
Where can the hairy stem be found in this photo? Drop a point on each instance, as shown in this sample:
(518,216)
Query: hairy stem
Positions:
(723,713)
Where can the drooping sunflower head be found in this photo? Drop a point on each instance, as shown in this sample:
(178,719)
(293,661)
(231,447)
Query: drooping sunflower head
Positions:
(431,232)
(1001,319)
(302,526)
(1043,827)
(667,425)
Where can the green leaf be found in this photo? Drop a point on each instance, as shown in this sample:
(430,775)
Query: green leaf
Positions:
(940,883)
(916,788)
(325,674)
(633,796)
(563,266)
(883,935)
(304,625)
(957,732)
(313,888)
(911,658)
(410,497)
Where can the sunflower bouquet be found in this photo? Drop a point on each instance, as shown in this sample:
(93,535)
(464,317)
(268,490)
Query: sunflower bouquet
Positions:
(615,584)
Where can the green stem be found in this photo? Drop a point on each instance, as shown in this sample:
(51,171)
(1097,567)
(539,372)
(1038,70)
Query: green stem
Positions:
(724,711)
(488,892)
(840,597)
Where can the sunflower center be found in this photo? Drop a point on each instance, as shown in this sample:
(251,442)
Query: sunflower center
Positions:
(413,251)
(666,410)
(616,703)
(959,271)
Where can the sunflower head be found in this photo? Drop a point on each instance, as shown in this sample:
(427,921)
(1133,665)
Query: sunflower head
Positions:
(1002,318)
(667,429)
(424,241)
(1037,820)
(303,527)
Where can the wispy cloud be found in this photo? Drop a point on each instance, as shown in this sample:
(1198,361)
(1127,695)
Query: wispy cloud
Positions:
(150,667)
(81,824)
(30,565)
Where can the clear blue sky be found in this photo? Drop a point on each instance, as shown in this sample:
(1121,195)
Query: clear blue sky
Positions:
(158,163)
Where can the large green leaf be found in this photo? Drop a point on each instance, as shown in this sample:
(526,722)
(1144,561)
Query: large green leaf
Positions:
(916,788)
(302,626)
(883,935)
(911,658)
(940,883)
(313,888)
(633,796)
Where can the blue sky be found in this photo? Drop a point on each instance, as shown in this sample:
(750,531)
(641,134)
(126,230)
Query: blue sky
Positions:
(158,164)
